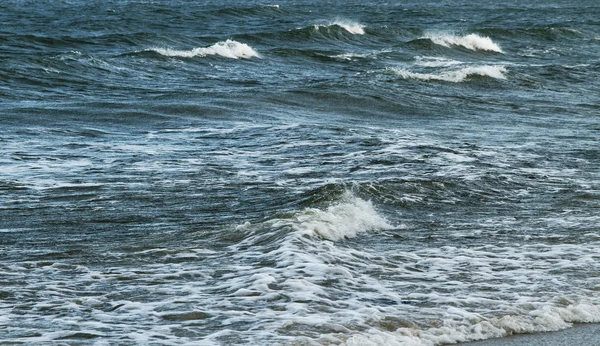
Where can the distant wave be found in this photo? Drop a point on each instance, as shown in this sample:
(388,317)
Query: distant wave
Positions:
(228,49)
(457,75)
(471,41)
(349,26)
(245,11)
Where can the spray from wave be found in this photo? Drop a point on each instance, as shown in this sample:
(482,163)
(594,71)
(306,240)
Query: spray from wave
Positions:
(456,75)
(228,49)
(471,41)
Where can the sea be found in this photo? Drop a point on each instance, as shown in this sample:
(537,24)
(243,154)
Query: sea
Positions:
(302,172)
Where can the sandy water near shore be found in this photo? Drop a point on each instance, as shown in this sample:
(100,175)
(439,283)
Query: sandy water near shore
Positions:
(579,334)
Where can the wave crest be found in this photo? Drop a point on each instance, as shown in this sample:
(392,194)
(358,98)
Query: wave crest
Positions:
(471,41)
(343,219)
(351,27)
(455,76)
(228,49)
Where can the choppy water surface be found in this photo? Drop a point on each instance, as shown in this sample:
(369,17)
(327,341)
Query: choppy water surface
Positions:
(414,173)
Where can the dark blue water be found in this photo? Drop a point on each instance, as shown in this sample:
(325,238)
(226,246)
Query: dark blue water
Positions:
(381,173)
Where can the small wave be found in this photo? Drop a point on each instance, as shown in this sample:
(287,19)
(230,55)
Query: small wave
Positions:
(342,220)
(345,218)
(471,41)
(455,76)
(228,49)
(351,27)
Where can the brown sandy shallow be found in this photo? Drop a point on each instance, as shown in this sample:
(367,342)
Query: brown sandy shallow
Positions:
(578,335)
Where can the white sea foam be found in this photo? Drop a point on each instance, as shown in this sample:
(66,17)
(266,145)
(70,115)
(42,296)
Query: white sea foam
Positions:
(455,75)
(455,279)
(463,326)
(471,41)
(228,49)
(289,279)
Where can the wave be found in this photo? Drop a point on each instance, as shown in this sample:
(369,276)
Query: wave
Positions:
(457,75)
(228,49)
(349,26)
(472,41)
(345,218)
(305,277)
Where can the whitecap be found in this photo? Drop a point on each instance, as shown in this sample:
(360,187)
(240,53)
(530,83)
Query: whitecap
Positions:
(456,75)
(344,219)
(351,27)
(228,49)
(471,41)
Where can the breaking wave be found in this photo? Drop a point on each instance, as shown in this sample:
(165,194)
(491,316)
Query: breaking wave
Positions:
(456,75)
(345,218)
(228,49)
(351,27)
(307,276)
(471,41)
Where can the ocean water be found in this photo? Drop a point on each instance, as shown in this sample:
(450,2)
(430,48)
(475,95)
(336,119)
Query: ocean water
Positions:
(297,172)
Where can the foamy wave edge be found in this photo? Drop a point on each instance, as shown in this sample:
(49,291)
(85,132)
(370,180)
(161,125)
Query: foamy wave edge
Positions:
(462,326)
(228,49)
(457,75)
(471,41)
(345,218)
